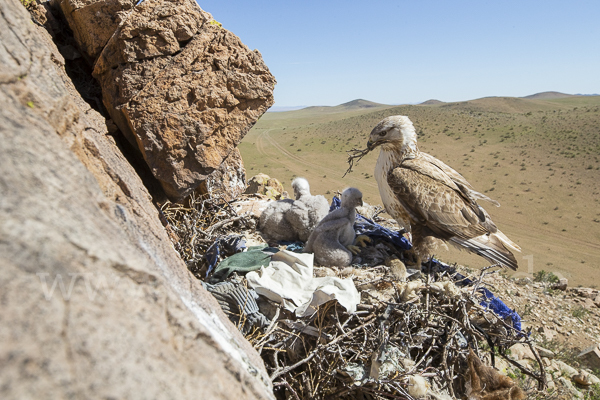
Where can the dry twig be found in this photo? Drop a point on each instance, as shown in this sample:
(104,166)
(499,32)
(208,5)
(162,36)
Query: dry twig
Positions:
(355,154)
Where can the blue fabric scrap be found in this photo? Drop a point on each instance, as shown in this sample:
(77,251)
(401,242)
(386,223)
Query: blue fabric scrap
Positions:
(365,226)
(499,308)
(490,302)
(231,244)
(296,247)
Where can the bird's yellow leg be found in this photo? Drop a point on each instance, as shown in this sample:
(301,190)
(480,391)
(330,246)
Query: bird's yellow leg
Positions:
(354,249)
(362,240)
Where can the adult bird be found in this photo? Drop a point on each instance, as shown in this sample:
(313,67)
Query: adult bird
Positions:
(432,200)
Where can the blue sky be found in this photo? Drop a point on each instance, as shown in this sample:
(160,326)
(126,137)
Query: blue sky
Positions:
(396,52)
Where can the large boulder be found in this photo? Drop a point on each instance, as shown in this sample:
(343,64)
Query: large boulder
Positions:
(94,21)
(182,88)
(94,301)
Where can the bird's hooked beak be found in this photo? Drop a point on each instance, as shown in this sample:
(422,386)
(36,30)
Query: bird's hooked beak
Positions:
(375,138)
(372,144)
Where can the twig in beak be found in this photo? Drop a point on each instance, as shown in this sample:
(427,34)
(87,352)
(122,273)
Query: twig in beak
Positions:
(355,154)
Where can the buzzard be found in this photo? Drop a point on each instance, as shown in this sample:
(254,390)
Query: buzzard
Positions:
(430,199)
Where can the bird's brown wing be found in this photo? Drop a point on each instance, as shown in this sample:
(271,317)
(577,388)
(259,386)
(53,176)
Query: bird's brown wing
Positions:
(461,183)
(434,200)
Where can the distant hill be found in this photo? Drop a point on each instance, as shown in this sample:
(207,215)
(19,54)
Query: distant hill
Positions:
(354,105)
(547,95)
(554,95)
(360,103)
(431,102)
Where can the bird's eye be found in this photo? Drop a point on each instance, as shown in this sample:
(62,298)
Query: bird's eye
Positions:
(382,133)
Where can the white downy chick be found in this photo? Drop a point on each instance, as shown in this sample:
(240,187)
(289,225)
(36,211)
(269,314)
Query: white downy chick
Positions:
(307,211)
(273,223)
(294,219)
(335,233)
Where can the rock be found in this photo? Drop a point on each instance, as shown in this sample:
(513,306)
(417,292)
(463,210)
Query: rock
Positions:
(252,205)
(591,356)
(182,89)
(593,378)
(93,22)
(521,352)
(550,385)
(263,184)
(570,388)
(588,304)
(565,368)
(95,301)
(561,284)
(597,301)
(547,333)
(585,292)
(582,378)
(544,352)
(227,182)
(546,361)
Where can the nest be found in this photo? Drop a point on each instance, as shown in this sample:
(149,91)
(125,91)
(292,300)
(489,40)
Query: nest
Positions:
(196,225)
(385,349)
(407,338)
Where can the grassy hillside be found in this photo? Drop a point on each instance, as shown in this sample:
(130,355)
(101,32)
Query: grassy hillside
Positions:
(539,157)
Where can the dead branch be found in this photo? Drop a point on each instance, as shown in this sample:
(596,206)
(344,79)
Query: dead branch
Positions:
(355,154)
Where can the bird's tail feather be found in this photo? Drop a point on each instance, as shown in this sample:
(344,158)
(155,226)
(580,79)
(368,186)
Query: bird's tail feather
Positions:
(507,242)
(491,247)
(480,196)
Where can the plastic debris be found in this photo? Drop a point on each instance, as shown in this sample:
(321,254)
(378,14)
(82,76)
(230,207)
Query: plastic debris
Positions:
(225,245)
(502,310)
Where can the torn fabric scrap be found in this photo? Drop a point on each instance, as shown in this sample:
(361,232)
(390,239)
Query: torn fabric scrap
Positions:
(289,281)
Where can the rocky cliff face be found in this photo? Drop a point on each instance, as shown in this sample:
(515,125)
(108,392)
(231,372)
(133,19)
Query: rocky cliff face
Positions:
(182,89)
(95,302)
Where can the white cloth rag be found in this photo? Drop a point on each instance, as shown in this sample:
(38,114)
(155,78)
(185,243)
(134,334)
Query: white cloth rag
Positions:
(289,281)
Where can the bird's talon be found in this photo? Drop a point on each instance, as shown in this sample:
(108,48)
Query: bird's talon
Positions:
(353,249)
(362,240)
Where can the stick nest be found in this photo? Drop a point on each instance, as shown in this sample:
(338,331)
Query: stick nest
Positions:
(384,349)
(375,352)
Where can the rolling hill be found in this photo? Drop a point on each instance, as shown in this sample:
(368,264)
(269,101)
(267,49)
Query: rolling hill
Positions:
(548,95)
(539,157)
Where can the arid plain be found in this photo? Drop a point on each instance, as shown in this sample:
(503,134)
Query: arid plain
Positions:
(538,156)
